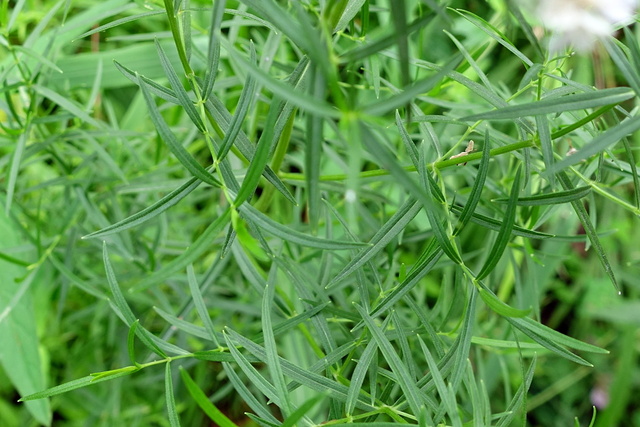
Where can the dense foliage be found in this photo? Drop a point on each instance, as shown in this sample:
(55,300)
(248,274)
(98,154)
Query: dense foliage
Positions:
(310,212)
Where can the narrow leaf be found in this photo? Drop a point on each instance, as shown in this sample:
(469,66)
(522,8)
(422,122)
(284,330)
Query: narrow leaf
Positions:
(504,235)
(186,159)
(197,248)
(478,185)
(203,401)
(174,420)
(590,230)
(551,198)
(288,234)
(561,104)
(598,144)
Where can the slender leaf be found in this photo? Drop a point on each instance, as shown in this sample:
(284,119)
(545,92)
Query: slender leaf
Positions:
(590,230)
(197,248)
(478,185)
(288,234)
(598,144)
(185,102)
(407,384)
(174,420)
(551,198)
(273,361)
(579,101)
(150,212)
(394,226)
(504,235)
(80,383)
(203,401)
(201,307)
(186,159)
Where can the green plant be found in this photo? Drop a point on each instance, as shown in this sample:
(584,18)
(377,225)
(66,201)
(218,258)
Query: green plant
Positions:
(303,230)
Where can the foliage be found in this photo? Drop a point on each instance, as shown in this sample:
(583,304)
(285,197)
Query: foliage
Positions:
(280,204)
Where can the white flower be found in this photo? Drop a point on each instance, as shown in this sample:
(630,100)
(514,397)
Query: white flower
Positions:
(581,22)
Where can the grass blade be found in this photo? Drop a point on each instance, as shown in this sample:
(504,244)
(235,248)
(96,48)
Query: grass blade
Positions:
(213,53)
(494,33)
(80,383)
(123,307)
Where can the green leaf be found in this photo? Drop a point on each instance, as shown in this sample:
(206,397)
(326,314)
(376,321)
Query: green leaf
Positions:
(425,263)
(546,144)
(174,420)
(68,105)
(428,199)
(150,212)
(561,104)
(155,88)
(288,234)
(551,198)
(123,307)
(358,376)
(242,108)
(553,340)
(119,22)
(81,382)
(281,89)
(196,249)
(478,185)
(203,401)
(446,394)
(597,145)
(183,98)
(624,66)
(494,224)
(273,361)
(19,344)
(201,307)
(213,52)
(186,159)
(520,397)
(495,304)
(394,226)
(260,158)
(408,385)
(252,373)
(313,150)
(494,33)
(131,342)
(504,235)
(383,106)
(302,410)
(590,230)
(306,376)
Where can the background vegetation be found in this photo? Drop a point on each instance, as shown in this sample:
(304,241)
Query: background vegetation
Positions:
(269,213)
